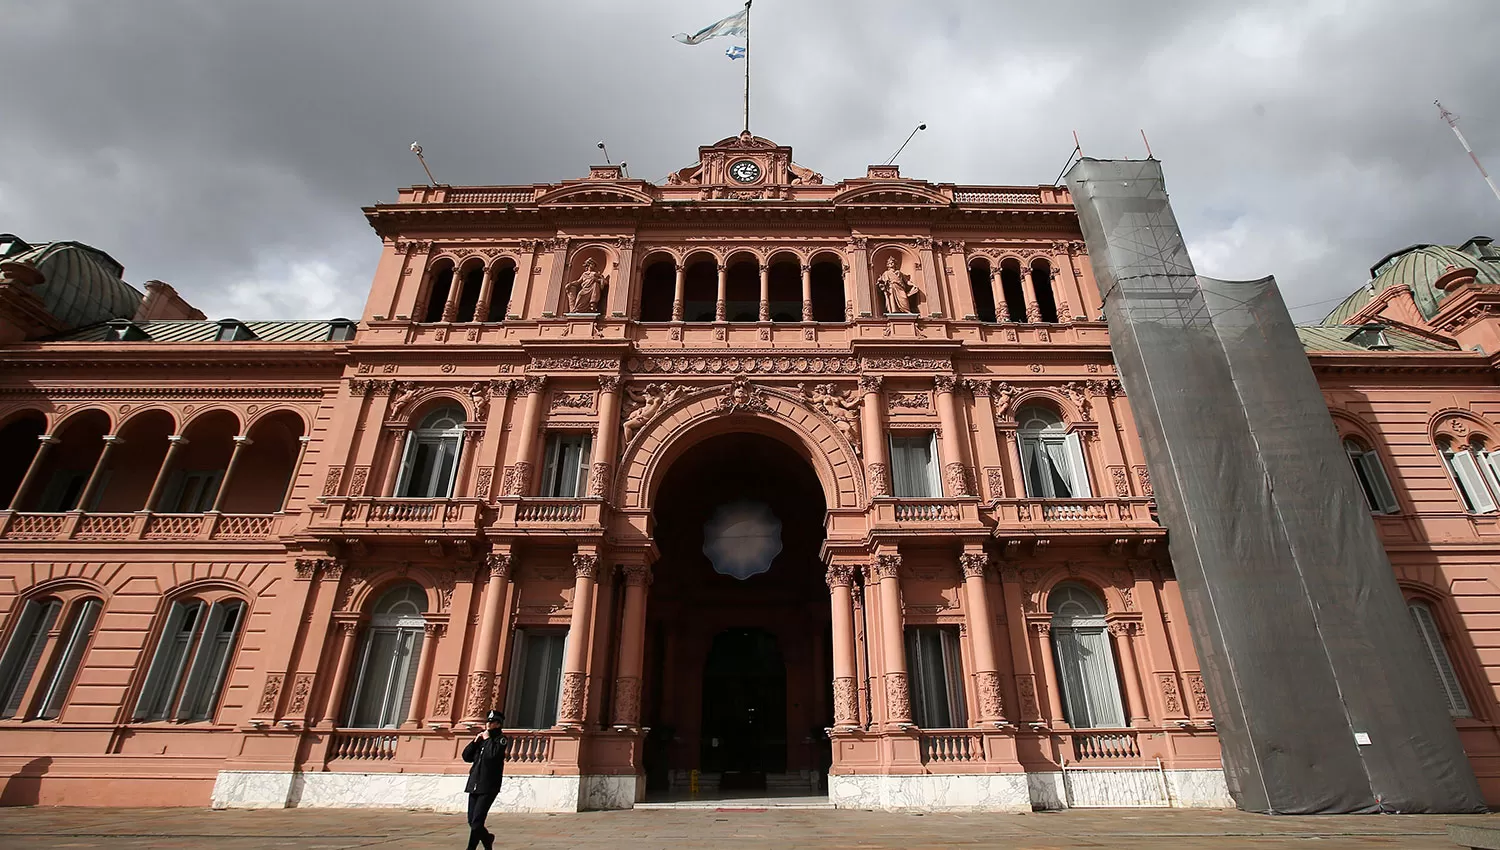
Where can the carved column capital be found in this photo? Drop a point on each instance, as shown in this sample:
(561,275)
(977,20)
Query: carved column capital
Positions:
(609,383)
(585,565)
(499,564)
(886,566)
(636,575)
(943,383)
(974,564)
(839,575)
(871,383)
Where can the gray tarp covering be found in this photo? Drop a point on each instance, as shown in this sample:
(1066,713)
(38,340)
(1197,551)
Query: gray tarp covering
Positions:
(1304,637)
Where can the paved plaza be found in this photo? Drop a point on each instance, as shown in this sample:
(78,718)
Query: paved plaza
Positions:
(317,829)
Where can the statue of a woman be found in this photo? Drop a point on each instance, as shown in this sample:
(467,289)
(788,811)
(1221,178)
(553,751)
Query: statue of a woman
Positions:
(584,293)
(896,288)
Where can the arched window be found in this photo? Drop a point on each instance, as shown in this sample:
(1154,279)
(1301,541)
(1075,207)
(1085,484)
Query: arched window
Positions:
(1437,656)
(983,289)
(1012,291)
(191,661)
(658,290)
(501,286)
(38,644)
(387,669)
(1041,287)
(1474,474)
(700,290)
(430,464)
(1051,457)
(468,297)
(1371,475)
(439,284)
(1085,662)
(828,299)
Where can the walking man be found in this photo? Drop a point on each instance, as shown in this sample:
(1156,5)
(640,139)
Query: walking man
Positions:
(486,757)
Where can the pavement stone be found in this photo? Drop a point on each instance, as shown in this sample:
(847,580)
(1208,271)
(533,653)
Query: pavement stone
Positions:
(676,829)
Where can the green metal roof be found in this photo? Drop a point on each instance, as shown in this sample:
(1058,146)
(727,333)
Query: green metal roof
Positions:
(81,285)
(1416,267)
(186,330)
(1336,338)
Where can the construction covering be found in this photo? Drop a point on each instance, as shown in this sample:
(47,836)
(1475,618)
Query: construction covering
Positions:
(1323,698)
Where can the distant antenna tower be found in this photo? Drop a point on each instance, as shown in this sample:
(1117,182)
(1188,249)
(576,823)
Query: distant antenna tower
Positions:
(1453,122)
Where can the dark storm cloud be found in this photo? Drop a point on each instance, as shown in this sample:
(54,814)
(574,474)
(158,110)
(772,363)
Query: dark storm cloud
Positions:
(227,147)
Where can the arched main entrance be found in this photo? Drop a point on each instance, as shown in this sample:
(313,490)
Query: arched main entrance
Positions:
(737,639)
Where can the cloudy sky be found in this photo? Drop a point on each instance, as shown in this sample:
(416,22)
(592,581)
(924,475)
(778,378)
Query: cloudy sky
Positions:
(227,147)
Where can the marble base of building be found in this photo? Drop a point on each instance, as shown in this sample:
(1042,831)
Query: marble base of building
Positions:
(440,792)
(1024,792)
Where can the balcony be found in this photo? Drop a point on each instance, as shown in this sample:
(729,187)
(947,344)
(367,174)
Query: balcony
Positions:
(1119,520)
(531,752)
(926,516)
(139,525)
(370,516)
(546,517)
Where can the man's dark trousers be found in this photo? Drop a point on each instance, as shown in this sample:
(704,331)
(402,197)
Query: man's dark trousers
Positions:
(479,807)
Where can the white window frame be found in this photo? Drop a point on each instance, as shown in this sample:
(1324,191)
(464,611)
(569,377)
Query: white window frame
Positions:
(944,685)
(188,670)
(431,483)
(904,481)
(542,687)
(1437,655)
(1059,450)
(1087,676)
(556,471)
(1471,471)
(1373,481)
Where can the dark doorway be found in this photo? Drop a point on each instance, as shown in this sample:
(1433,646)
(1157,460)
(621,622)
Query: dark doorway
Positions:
(744,709)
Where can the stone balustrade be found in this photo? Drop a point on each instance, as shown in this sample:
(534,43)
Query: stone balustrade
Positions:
(385,516)
(137,526)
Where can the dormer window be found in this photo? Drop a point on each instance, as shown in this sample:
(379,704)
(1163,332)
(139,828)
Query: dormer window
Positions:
(1371,337)
(341,330)
(233,330)
(124,330)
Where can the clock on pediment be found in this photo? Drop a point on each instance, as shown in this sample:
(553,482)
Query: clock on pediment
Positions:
(744,171)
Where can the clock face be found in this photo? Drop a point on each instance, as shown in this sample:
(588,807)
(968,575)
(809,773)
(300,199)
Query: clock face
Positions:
(745,171)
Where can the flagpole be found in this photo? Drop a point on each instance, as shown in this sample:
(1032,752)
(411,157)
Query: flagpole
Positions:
(747,65)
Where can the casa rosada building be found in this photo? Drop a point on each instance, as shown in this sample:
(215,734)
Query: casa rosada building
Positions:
(741,481)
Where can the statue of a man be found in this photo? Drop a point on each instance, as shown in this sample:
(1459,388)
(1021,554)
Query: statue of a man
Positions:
(584,293)
(896,288)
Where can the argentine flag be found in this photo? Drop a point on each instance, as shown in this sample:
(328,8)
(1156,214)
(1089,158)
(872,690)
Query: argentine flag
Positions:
(736,52)
(736,24)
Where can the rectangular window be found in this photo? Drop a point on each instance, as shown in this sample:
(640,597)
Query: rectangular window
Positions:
(430,467)
(536,678)
(24,652)
(914,472)
(192,491)
(1437,656)
(1054,467)
(936,676)
(66,668)
(566,474)
(1086,666)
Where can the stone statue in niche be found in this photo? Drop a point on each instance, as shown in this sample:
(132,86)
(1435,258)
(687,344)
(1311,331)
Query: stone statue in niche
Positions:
(644,404)
(585,293)
(841,408)
(896,288)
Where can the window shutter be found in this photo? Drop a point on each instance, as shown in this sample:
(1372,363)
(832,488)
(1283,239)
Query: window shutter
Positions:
(357,697)
(1029,449)
(550,469)
(452,450)
(34,642)
(160,661)
(200,702)
(198,667)
(1078,472)
(72,656)
(1437,655)
(408,680)
(1102,685)
(403,480)
(1472,482)
(585,453)
(17,650)
(1381,486)
(934,479)
(953,672)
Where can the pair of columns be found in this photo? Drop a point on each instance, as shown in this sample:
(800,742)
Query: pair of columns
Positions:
(481,307)
(950,447)
(175,443)
(886,573)
(721,298)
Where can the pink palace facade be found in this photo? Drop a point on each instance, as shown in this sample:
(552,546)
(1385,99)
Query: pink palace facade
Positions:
(742,481)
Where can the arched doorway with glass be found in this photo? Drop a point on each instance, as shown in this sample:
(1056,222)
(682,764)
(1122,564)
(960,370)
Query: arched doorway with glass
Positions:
(386,664)
(737,685)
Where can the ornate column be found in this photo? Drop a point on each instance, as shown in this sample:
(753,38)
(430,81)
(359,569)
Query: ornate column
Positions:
(1130,671)
(348,631)
(950,447)
(807,310)
(887,570)
(110,441)
(240,442)
(487,645)
(486,292)
(721,306)
(608,445)
(417,711)
(47,442)
(575,675)
(872,422)
(840,578)
(1016,597)
(765,293)
(291,482)
(981,636)
(455,289)
(1043,632)
(397,435)
(518,480)
(174,446)
(679,290)
(627,702)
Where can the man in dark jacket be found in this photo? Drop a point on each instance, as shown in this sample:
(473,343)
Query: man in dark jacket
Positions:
(486,757)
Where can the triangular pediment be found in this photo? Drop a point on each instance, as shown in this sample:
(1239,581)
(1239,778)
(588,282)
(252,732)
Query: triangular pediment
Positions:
(593,195)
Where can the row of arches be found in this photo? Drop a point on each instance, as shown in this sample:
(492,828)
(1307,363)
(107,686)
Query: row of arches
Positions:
(149,462)
(467,293)
(794,291)
(1009,303)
